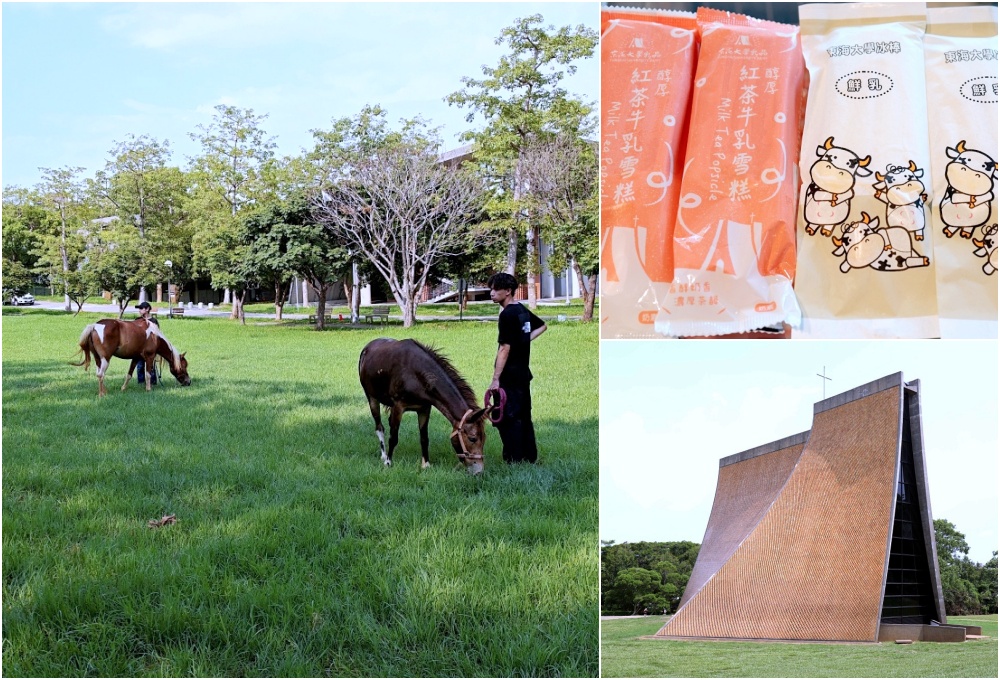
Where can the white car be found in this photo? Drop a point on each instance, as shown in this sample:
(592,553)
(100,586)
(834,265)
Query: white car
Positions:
(26,299)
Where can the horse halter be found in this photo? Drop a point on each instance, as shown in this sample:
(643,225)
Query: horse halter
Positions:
(457,432)
(495,406)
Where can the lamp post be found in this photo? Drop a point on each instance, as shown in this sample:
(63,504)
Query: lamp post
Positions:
(170,304)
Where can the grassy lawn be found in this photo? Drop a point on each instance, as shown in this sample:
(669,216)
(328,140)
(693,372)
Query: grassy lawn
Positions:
(624,655)
(295,553)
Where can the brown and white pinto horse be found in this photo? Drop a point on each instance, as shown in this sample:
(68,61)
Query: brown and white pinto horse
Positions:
(138,340)
(405,375)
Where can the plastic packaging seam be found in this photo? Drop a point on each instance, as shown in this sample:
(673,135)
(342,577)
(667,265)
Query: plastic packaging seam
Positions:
(652,11)
(708,15)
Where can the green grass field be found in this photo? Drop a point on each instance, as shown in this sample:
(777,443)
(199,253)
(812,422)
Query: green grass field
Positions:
(623,654)
(296,553)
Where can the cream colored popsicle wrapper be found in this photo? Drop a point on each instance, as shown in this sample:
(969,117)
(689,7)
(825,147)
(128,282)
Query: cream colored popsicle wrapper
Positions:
(734,238)
(647,67)
(961,68)
(866,265)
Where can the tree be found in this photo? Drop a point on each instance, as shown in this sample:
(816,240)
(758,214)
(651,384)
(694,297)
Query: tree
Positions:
(639,588)
(138,187)
(395,204)
(672,562)
(987,586)
(120,264)
(267,249)
(562,189)
(220,251)
(63,191)
(25,222)
(968,587)
(235,166)
(283,240)
(520,98)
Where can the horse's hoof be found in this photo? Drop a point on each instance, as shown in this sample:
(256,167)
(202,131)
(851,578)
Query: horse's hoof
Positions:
(387,463)
(425,465)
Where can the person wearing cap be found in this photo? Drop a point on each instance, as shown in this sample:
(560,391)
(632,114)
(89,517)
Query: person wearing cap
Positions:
(518,327)
(144,313)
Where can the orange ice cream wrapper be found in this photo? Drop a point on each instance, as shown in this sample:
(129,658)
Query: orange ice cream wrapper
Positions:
(734,239)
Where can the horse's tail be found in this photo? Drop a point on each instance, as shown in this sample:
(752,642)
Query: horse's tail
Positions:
(86,346)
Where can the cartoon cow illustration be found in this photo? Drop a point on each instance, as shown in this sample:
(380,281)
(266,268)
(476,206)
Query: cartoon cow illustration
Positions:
(902,192)
(828,197)
(865,245)
(966,204)
(987,247)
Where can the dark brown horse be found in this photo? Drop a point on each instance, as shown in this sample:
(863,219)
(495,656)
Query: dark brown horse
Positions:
(138,340)
(405,376)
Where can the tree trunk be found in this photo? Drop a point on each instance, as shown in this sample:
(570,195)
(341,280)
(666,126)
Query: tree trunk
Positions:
(409,312)
(355,294)
(279,300)
(512,241)
(532,266)
(588,286)
(65,263)
(238,299)
(320,289)
(321,307)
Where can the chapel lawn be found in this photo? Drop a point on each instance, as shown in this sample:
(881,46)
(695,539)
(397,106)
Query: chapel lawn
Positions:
(624,654)
(295,552)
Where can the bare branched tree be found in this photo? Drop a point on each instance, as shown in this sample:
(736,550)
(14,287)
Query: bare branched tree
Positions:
(403,211)
(562,178)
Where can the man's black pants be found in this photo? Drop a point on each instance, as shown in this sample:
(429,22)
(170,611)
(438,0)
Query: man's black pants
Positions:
(516,429)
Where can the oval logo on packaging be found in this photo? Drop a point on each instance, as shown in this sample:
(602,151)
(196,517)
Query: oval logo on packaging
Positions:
(647,316)
(863,84)
(982,89)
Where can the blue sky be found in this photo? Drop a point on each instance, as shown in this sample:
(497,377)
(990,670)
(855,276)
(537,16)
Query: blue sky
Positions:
(671,410)
(79,76)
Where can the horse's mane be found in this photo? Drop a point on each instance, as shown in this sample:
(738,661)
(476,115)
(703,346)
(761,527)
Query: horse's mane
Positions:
(451,372)
(173,350)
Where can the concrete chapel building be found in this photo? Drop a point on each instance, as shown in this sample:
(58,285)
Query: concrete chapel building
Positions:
(825,535)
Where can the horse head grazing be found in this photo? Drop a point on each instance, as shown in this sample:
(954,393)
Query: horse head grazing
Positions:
(179,369)
(468,439)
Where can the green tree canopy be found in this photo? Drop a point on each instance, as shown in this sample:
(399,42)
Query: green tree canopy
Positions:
(521,98)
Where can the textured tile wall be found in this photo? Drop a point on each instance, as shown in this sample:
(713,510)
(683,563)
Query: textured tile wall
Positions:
(812,568)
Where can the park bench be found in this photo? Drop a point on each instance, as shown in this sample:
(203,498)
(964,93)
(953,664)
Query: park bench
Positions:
(326,317)
(378,312)
(177,311)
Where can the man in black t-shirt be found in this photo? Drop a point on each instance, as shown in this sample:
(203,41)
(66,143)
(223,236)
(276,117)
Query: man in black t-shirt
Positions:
(144,313)
(511,371)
